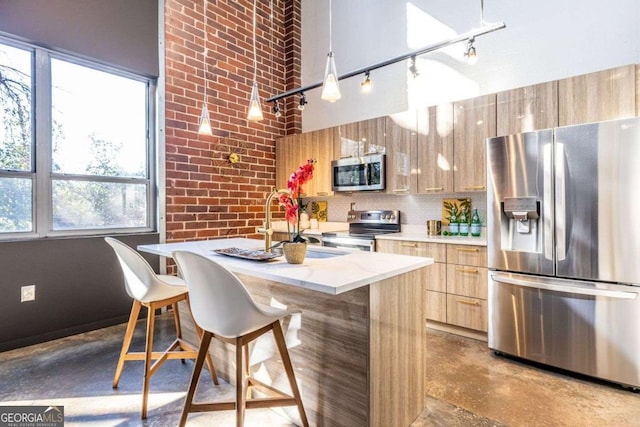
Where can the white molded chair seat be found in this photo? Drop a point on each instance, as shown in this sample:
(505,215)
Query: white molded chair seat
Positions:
(224,309)
(152,291)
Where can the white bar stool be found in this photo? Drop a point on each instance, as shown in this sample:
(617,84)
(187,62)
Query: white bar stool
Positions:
(152,291)
(223,308)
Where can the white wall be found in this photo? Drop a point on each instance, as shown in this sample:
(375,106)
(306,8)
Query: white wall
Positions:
(544,40)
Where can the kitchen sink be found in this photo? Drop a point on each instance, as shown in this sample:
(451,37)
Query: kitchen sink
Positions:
(316,252)
(320,253)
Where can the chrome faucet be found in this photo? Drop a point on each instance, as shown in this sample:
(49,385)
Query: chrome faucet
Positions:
(268,231)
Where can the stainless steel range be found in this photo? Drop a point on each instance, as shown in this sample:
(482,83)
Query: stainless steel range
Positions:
(363,228)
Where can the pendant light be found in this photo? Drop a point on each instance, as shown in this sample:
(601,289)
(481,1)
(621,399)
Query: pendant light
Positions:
(255,111)
(330,88)
(205,122)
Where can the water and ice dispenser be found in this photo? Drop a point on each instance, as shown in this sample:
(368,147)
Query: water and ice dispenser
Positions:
(519,224)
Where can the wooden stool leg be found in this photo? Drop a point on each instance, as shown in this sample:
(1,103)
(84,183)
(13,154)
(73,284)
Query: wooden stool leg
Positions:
(128,335)
(151,318)
(240,385)
(176,319)
(247,371)
(212,368)
(203,353)
(286,361)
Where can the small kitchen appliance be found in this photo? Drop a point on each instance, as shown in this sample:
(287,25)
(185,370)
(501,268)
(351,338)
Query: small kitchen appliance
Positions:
(363,173)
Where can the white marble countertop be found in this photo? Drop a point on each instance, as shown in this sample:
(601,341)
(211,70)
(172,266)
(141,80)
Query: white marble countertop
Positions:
(334,275)
(418,233)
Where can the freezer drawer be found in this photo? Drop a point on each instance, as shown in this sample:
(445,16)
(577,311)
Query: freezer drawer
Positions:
(585,327)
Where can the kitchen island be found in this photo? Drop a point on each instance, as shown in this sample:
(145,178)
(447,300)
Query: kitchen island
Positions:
(358,346)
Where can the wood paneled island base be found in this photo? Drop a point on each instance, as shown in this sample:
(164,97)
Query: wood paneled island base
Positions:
(359,356)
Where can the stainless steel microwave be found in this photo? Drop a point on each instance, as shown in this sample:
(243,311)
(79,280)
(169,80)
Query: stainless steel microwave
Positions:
(358,173)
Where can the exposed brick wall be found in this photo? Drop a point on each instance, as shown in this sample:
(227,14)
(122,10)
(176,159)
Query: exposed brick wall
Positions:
(207,196)
(293,63)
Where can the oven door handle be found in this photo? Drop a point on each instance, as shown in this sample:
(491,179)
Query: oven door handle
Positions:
(565,288)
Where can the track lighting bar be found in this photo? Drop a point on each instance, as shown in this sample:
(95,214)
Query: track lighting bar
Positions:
(489,28)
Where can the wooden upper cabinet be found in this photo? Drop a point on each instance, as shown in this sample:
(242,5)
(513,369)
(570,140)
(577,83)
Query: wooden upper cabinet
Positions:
(527,109)
(294,150)
(400,145)
(435,149)
(322,145)
(604,95)
(360,138)
(474,121)
(286,156)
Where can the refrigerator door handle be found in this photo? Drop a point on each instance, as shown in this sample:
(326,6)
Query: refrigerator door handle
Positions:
(561,210)
(565,288)
(547,200)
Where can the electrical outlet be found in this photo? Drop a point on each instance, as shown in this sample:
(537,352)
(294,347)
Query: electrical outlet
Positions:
(28,293)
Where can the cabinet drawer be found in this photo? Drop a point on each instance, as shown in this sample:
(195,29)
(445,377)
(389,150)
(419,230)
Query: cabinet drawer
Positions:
(437,277)
(467,255)
(436,306)
(467,312)
(437,251)
(467,281)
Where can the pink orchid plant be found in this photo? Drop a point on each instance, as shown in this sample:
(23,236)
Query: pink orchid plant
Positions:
(292,201)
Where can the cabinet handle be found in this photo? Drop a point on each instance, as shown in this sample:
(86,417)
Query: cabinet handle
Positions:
(462,301)
(467,270)
(400,190)
(323,193)
(434,189)
(467,249)
(475,187)
(408,245)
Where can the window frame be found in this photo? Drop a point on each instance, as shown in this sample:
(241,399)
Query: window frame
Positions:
(41,173)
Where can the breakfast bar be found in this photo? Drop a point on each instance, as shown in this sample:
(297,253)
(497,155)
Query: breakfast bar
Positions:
(358,346)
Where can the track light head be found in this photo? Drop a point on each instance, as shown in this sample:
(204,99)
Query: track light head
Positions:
(366,83)
(471,54)
(276,108)
(413,69)
(303,101)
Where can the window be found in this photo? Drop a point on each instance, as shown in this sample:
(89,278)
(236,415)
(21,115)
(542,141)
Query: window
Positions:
(75,146)
(16,154)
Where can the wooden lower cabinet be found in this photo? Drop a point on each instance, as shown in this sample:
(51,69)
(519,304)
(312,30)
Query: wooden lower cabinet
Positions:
(436,306)
(436,297)
(467,286)
(467,280)
(456,286)
(467,312)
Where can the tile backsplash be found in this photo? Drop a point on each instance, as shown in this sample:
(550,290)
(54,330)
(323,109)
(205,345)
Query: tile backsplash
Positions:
(414,209)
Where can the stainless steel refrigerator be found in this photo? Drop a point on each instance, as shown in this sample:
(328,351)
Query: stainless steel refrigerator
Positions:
(563,220)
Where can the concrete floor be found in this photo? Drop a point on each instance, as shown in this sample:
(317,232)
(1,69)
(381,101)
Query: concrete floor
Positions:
(467,386)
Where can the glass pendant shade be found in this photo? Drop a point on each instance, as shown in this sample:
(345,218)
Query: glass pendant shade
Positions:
(205,123)
(330,88)
(255,111)
(472,56)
